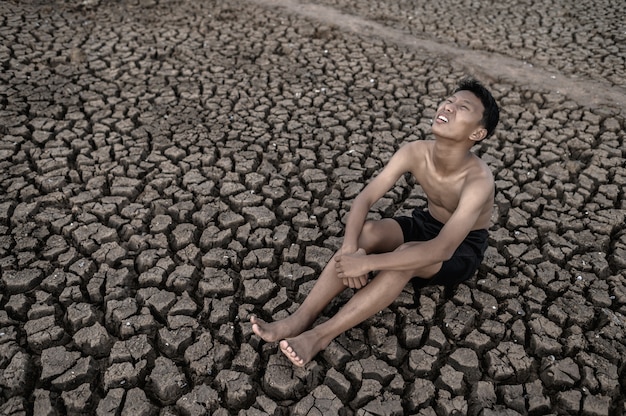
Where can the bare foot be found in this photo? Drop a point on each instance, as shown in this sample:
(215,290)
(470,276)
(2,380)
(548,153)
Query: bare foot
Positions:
(274,331)
(301,349)
(288,350)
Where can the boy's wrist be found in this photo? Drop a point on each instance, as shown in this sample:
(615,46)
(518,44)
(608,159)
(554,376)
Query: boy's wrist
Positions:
(368,263)
(348,248)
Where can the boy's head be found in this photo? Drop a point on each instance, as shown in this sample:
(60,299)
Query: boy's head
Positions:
(491,114)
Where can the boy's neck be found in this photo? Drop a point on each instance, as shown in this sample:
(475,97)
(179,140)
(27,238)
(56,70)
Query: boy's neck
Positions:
(449,156)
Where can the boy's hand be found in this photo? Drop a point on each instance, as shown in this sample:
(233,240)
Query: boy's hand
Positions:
(355,282)
(350,268)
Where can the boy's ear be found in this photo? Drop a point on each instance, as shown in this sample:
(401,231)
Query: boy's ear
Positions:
(478,134)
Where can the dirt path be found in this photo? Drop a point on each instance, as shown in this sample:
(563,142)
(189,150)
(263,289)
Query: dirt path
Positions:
(489,65)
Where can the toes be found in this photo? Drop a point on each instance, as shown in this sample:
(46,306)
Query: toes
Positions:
(256,325)
(291,354)
(284,345)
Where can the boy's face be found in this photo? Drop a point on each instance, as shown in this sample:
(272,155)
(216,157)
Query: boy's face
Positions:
(460,117)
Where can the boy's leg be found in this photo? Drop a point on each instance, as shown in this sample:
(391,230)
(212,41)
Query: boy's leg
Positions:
(374,297)
(327,286)
(377,236)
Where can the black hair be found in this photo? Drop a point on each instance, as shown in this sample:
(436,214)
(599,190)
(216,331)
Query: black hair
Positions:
(491,114)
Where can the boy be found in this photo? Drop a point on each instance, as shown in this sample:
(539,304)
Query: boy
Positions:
(442,245)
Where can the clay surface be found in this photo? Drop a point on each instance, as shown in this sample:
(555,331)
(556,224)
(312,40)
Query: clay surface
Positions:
(170,167)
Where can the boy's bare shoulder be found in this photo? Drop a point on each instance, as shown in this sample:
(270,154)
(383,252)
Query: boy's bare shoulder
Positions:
(482,170)
(417,147)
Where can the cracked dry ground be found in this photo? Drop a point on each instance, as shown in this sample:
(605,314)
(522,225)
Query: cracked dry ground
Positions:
(169,168)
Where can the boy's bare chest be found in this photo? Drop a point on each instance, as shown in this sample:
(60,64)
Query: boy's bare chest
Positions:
(442,191)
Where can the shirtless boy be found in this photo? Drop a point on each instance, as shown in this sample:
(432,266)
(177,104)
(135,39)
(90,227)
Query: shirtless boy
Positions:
(442,245)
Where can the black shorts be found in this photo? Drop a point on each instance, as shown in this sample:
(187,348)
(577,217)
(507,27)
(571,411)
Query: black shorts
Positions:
(421,226)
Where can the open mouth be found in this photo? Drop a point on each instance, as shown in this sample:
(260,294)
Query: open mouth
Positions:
(442,118)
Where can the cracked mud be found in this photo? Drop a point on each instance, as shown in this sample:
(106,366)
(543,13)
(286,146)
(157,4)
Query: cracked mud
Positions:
(168,168)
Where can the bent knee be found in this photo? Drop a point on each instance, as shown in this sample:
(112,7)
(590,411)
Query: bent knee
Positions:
(380,236)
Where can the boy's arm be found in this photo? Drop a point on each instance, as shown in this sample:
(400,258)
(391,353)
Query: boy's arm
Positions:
(399,164)
(419,255)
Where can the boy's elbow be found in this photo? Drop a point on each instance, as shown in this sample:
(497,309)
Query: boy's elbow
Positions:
(445,257)
(446,253)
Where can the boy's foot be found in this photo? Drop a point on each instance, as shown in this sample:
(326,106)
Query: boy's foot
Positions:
(301,349)
(275,331)
(286,348)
